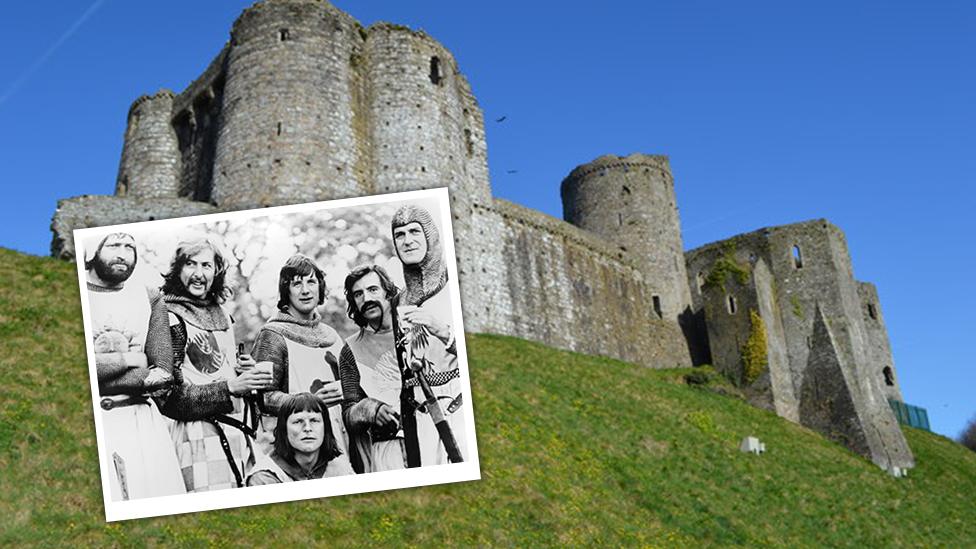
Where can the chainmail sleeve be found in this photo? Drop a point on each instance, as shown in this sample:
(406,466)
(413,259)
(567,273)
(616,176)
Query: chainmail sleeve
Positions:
(159,343)
(358,410)
(270,346)
(130,382)
(177,334)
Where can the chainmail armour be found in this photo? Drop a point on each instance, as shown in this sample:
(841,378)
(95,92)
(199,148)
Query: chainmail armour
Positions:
(427,277)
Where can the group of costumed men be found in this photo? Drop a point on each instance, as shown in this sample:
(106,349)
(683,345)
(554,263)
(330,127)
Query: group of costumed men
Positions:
(185,409)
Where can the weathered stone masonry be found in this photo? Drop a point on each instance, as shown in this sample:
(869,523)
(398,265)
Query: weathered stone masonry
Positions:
(305,104)
(825,351)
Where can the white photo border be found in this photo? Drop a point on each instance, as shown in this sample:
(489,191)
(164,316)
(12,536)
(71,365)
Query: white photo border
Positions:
(307,489)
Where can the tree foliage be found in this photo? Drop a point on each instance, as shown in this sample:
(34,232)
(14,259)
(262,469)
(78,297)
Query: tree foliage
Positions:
(338,240)
(968,436)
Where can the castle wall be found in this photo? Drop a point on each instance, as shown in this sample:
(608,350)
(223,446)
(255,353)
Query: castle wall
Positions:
(196,120)
(150,163)
(562,286)
(86,211)
(288,131)
(728,305)
(878,345)
(776,383)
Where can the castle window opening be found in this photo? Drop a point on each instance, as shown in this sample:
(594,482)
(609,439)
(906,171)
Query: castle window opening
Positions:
(656,300)
(872,312)
(731,304)
(620,219)
(284,35)
(279,128)
(797,257)
(889,376)
(468,142)
(625,191)
(435,70)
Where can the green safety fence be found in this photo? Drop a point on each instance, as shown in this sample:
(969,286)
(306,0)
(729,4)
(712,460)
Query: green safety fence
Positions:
(912,416)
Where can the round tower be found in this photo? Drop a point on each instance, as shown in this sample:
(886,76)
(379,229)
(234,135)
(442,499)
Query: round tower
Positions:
(289,131)
(416,112)
(150,164)
(425,127)
(631,203)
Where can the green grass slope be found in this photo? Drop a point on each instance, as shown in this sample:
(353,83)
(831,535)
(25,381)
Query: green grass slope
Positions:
(574,450)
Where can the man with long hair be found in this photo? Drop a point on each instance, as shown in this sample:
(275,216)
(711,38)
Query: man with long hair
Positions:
(304,447)
(303,350)
(371,380)
(211,434)
(133,359)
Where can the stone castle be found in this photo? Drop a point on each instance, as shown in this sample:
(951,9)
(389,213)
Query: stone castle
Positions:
(305,104)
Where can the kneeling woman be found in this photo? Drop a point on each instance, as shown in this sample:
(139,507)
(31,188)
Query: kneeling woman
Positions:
(304,446)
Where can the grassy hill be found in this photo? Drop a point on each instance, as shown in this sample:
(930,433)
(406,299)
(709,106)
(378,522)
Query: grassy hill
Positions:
(574,450)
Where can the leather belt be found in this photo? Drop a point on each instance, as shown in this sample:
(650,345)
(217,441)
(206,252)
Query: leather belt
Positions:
(120,401)
(435,379)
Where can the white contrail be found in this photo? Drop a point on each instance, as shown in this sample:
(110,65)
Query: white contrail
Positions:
(50,51)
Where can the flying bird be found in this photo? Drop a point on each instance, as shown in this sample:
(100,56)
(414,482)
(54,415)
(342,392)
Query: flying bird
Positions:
(502,119)
(512,171)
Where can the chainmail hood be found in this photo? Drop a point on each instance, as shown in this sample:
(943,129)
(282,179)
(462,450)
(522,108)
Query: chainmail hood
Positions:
(427,277)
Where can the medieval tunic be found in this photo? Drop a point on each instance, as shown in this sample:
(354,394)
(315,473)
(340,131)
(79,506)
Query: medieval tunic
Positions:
(425,286)
(213,455)
(443,376)
(305,354)
(371,377)
(143,462)
(274,469)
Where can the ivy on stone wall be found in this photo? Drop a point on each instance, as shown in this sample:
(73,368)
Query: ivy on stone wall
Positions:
(727,266)
(754,356)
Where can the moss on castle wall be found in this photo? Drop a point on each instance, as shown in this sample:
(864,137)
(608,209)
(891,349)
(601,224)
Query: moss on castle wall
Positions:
(755,359)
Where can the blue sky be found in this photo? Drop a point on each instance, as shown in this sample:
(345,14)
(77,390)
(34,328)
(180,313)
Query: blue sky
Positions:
(771,112)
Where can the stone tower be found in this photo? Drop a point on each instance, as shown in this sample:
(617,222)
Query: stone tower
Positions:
(302,104)
(149,167)
(825,356)
(288,128)
(630,202)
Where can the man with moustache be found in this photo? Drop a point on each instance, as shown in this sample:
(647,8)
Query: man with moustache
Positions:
(371,380)
(302,349)
(424,308)
(211,436)
(133,358)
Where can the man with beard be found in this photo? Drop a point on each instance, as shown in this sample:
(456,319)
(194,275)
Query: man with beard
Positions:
(210,433)
(302,349)
(133,358)
(371,379)
(423,310)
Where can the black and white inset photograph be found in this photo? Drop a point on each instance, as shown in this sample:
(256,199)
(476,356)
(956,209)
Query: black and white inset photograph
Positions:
(276,354)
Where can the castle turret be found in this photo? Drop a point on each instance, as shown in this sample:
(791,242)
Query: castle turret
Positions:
(150,164)
(630,202)
(426,130)
(289,127)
